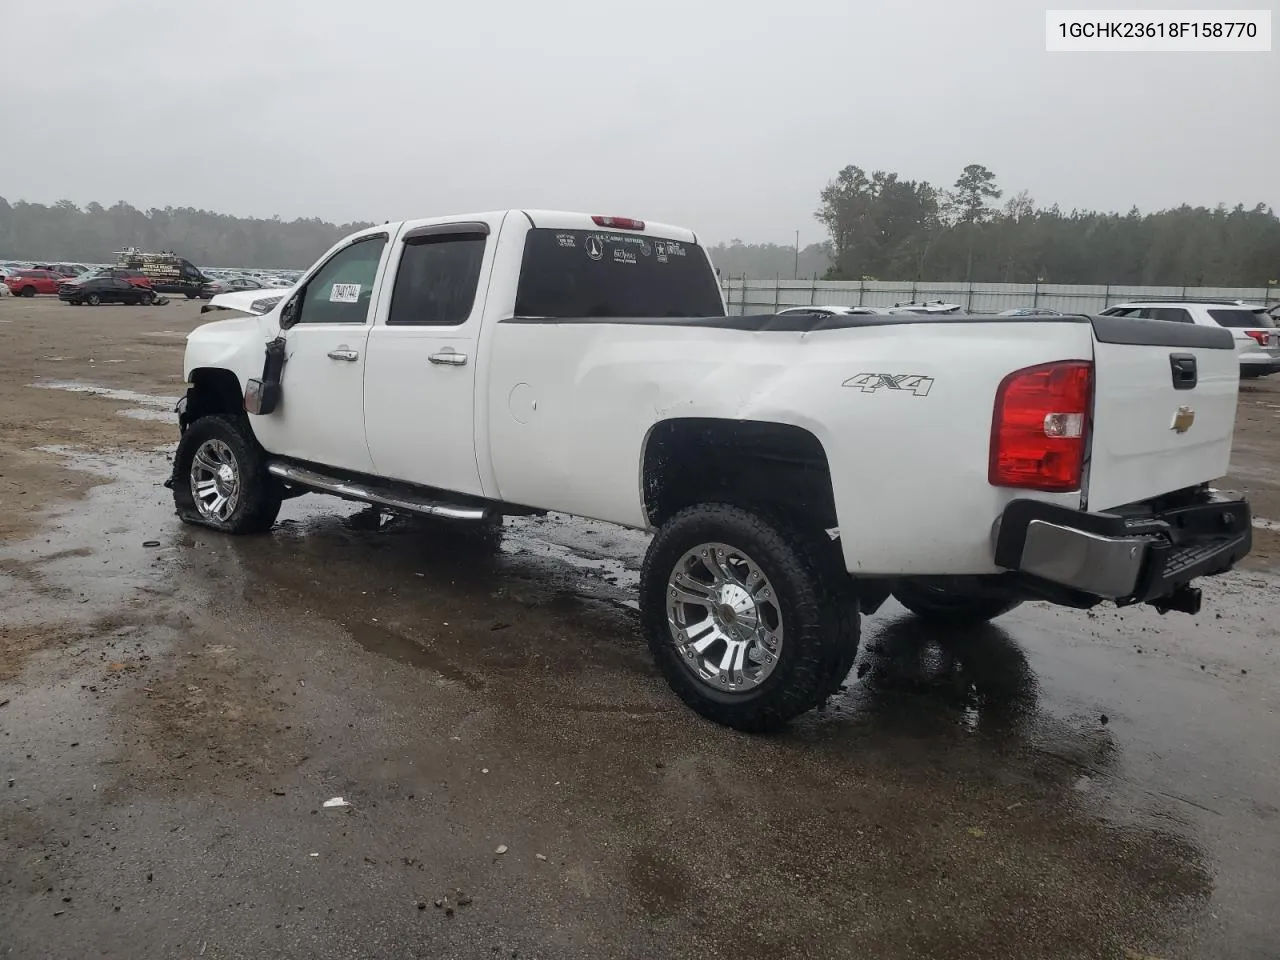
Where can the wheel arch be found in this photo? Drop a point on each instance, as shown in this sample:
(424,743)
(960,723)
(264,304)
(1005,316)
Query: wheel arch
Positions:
(768,464)
(211,390)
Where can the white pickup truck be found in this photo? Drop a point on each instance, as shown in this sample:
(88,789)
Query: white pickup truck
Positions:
(797,470)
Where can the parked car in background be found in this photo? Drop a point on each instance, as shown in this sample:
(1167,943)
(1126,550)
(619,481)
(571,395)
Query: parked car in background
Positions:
(135,277)
(829,310)
(1257,340)
(168,272)
(925,306)
(96,290)
(231,285)
(27,283)
(63,269)
(1030,312)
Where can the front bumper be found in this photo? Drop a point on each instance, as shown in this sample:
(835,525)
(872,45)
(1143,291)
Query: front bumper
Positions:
(1141,554)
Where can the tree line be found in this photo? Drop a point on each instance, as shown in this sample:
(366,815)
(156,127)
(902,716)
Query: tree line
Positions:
(886,228)
(66,232)
(880,227)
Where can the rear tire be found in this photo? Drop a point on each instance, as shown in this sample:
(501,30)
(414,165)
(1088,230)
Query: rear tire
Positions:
(945,607)
(148,299)
(27,292)
(767,593)
(220,477)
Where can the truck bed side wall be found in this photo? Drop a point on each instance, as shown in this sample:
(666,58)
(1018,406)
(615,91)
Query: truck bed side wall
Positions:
(570,406)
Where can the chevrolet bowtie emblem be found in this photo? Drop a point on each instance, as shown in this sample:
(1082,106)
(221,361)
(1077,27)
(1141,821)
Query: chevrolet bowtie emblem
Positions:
(1183,419)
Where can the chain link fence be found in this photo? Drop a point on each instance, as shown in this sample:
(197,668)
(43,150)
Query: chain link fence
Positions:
(746,295)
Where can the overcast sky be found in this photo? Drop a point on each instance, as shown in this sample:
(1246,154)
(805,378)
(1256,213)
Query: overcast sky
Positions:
(727,116)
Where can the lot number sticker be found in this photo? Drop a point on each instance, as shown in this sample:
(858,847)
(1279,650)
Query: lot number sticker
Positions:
(345,293)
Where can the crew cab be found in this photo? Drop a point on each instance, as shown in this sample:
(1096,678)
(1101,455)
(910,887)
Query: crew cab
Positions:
(796,470)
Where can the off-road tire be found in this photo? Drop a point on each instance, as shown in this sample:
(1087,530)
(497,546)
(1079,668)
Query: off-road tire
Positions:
(819,614)
(945,608)
(260,493)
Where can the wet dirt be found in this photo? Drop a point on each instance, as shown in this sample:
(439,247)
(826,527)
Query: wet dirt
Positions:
(175,706)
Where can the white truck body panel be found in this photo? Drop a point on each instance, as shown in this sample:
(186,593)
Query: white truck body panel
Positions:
(555,414)
(909,473)
(1135,447)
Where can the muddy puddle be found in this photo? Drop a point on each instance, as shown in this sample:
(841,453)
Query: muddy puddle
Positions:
(142,406)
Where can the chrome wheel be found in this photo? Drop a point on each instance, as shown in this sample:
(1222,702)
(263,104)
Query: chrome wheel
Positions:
(215,481)
(724,618)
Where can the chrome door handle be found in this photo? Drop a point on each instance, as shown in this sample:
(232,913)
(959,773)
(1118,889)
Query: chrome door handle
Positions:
(342,353)
(449,356)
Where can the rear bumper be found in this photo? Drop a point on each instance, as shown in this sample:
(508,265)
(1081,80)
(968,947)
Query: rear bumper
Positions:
(1136,555)
(1261,367)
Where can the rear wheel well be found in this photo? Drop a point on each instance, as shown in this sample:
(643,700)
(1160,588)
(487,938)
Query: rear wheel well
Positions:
(775,467)
(212,391)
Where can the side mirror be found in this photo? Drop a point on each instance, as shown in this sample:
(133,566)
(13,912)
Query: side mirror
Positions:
(289,314)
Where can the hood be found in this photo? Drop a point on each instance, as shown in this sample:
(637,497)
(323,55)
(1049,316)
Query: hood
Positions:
(256,302)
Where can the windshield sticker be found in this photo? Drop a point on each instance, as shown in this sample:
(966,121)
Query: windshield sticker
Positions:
(595,247)
(623,256)
(345,293)
(566,240)
(645,248)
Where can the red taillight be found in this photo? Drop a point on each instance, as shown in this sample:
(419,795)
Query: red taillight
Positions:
(1040,426)
(618,223)
(1260,335)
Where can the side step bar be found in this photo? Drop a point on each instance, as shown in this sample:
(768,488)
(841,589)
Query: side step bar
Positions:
(351,490)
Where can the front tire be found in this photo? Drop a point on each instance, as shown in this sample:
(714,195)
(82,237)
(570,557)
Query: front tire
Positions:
(94,299)
(945,606)
(220,477)
(746,619)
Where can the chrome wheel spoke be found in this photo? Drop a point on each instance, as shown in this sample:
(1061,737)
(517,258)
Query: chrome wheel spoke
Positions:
(705,638)
(718,568)
(687,590)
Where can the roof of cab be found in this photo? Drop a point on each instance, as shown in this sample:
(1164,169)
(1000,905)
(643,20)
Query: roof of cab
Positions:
(551,219)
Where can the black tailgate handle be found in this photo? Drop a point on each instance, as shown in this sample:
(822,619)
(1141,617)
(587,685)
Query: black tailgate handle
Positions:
(1183,366)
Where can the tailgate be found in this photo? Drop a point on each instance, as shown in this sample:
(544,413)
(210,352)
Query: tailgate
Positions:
(1164,408)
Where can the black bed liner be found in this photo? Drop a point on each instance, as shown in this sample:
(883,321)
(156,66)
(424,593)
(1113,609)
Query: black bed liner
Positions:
(1107,329)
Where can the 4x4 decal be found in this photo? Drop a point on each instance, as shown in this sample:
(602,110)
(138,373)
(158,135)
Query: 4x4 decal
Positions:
(908,382)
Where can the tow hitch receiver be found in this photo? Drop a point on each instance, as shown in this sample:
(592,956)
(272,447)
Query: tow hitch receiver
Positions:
(1184,600)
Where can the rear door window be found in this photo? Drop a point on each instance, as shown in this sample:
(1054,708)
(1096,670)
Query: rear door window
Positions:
(1172,314)
(582,274)
(437,280)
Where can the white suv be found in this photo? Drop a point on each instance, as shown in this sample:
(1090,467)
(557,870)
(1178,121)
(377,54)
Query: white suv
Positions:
(1257,337)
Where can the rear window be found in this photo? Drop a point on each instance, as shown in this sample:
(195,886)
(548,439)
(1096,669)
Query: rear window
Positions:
(1242,318)
(570,274)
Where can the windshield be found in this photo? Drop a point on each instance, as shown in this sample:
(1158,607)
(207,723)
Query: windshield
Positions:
(1242,318)
(569,274)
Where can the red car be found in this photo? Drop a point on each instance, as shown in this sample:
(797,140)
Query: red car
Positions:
(27,283)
